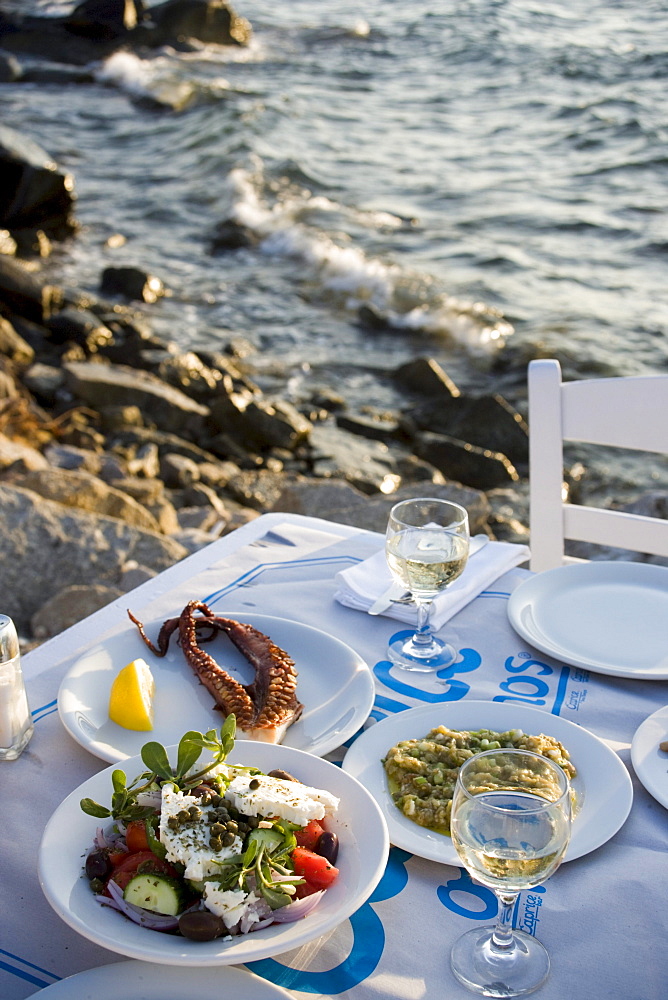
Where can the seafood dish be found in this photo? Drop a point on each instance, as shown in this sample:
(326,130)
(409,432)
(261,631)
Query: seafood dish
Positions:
(264,709)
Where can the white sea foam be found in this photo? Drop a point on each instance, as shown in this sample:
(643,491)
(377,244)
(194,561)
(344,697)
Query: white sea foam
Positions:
(345,272)
(129,72)
(159,78)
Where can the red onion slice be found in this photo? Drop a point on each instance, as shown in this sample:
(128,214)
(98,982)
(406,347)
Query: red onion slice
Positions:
(262,923)
(300,908)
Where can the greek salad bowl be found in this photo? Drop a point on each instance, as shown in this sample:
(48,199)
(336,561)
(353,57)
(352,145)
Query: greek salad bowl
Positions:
(358,823)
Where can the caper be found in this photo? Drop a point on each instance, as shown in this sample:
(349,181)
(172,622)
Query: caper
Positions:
(233,826)
(201,925)
(227,839)
(97,885)
(215,843)
(217,829)
(254,784)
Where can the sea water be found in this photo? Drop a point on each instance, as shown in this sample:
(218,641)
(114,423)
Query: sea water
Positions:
(486,176)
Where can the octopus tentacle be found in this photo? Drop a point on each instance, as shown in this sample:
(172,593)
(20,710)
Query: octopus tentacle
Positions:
(163,638)
(266,707)
(226,691)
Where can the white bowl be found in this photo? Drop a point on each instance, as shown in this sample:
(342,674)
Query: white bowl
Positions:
(363,851)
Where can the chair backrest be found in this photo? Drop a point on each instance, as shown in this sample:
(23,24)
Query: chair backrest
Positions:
(627,412)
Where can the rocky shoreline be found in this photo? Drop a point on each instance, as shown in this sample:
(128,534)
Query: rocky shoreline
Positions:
(121,455)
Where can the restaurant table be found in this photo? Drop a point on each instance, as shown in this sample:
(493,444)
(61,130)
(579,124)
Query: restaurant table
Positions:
(603,917)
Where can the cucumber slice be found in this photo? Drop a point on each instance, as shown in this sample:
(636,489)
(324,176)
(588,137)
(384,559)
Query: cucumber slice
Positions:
(157,893)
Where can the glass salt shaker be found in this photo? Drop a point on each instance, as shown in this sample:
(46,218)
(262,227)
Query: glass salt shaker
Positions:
(16,726)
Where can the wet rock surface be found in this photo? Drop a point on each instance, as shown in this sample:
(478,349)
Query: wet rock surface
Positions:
(97,28)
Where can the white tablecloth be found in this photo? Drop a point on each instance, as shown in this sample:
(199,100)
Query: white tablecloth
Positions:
(603,917)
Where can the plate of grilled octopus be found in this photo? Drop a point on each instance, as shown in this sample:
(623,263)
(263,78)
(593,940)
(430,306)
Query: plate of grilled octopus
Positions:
(285,682)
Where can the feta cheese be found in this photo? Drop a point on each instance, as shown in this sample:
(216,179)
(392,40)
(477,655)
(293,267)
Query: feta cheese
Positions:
(190,844)
(289,800)
(231,905)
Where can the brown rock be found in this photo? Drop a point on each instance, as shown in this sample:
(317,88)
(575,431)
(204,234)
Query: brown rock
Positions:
(87,492)
(13,453)
(12,344)
(71,605)
(46,546)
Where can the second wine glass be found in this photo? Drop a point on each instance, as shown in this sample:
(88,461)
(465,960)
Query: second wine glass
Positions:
(426,545)
(510,825)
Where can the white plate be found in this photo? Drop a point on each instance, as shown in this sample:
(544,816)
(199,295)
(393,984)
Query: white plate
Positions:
(147,981)
(363,850)
(609,617)
(650,763)
(334,684)
(603,786)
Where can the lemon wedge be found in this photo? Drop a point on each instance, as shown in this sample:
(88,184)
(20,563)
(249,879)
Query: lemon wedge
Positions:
(131,696)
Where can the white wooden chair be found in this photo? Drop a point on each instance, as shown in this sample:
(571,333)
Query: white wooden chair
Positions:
(627,412)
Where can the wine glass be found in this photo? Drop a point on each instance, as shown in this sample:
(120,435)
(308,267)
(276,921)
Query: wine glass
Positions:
(426,546)
(510,824)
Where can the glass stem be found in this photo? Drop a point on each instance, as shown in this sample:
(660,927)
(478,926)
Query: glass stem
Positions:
(422,635)
(502,936)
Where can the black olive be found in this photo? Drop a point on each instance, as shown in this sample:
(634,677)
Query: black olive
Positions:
(201,925)
(283,775)
(327,846)
(97,865)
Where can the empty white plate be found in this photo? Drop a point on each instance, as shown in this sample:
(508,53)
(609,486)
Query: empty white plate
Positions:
(148,981)
(609,617)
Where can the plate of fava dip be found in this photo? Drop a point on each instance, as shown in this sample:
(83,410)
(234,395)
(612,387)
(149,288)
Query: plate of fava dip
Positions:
(423,743)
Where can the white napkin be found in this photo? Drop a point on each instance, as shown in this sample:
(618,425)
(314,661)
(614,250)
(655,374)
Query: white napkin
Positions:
(363,583)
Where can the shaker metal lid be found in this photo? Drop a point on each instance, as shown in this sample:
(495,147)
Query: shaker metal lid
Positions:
(9,640)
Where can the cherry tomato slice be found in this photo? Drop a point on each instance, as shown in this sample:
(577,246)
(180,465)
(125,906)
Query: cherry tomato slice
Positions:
(134,859)
(314,868)
(131,864)
(135,836)
(309,836)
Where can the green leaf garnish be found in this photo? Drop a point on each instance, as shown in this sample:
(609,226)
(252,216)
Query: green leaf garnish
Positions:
(118,780)
(275,897)
(124,805)
(155,757)
(154,844)
(190,751)
(94,809)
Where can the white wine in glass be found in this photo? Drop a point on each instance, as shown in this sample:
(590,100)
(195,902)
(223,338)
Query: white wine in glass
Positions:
(426,546)
(510,825)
